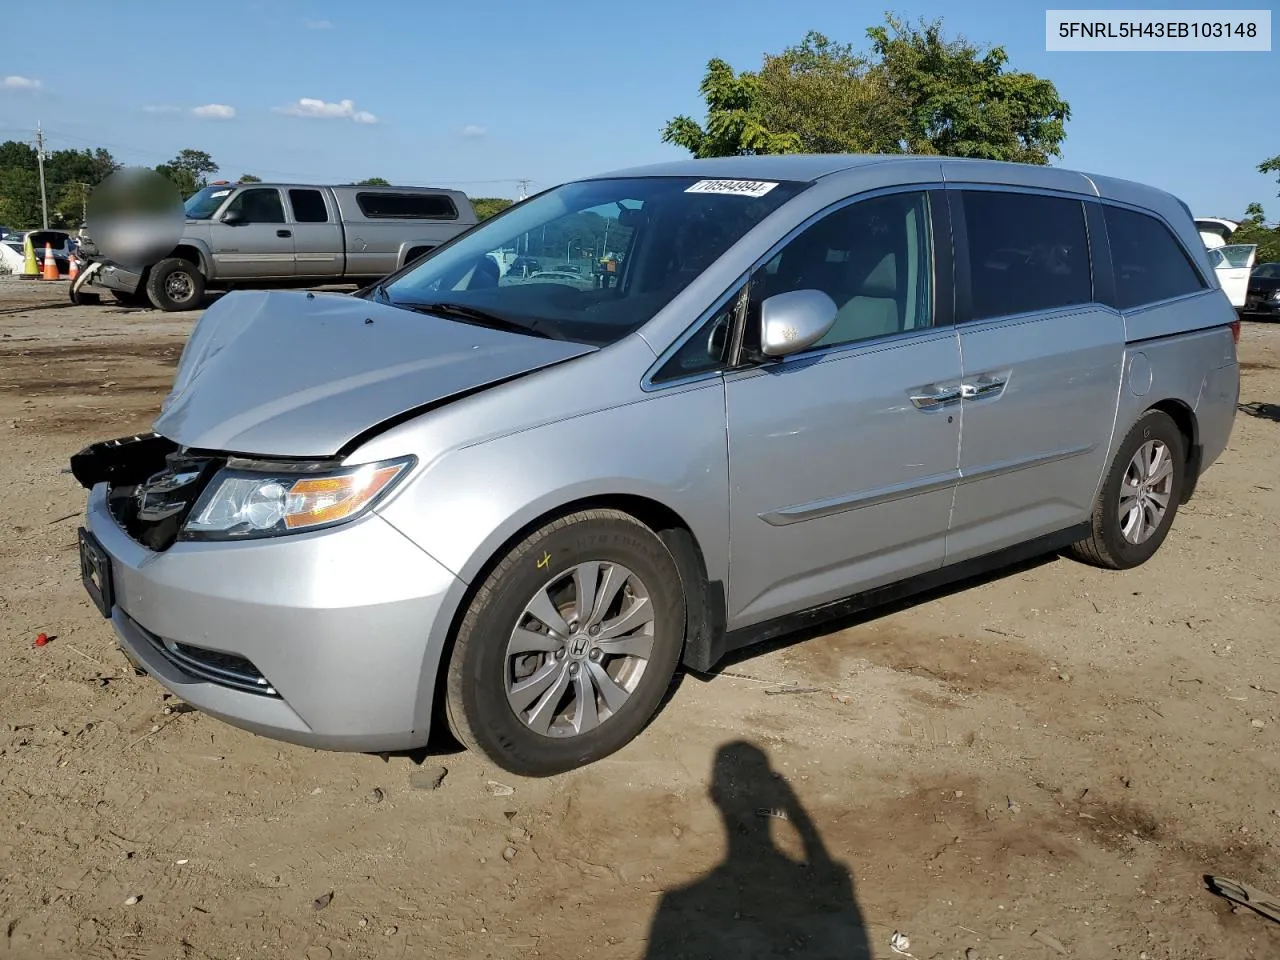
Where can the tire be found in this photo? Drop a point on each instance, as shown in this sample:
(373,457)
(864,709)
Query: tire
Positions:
(1108,545)
(175,284)
(552,733)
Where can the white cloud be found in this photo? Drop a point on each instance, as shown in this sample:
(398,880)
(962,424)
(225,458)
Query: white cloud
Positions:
(473,130)
(214,111)
(21,83)
(319,25)
(320,109)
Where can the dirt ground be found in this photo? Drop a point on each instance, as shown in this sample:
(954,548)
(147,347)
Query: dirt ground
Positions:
(1043,764)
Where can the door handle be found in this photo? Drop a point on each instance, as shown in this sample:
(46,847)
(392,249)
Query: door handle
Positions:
(940,398)
(983,387)
(284,233)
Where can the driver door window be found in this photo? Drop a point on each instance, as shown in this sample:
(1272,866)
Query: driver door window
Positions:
(872,257)
(259,205)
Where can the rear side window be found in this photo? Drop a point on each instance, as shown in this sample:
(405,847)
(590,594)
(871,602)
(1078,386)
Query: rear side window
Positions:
(407,206)
(1026,253)
(308,206)
(1149,262)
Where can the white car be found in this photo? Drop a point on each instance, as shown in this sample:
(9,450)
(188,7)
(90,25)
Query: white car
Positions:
(1232,262)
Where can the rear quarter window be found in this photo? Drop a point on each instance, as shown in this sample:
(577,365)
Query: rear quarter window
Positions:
(1150,264)
(407,206)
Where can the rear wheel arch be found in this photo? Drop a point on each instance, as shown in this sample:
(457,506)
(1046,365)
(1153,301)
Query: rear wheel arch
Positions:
(415,252)
(1182,415)
(191,254)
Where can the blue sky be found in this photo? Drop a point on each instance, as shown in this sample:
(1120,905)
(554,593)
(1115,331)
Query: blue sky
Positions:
(479,95)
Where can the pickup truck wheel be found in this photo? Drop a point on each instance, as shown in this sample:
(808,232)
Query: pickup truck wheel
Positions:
(175,284)
(568,647)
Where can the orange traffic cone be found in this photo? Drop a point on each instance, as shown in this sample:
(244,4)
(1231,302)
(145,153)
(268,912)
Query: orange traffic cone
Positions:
(50,266)
(73,268)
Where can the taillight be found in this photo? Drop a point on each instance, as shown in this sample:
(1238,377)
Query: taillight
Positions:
(1235,330)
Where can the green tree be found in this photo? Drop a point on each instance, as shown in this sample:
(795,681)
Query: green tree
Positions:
(1253,229)
(914,91)
(734,125)
(372,182)
(249,178)
(1271,165)
(71,204)
(828,95)
(69,177)
(487,207)
(90,167)
(953,98)
(15,153)
(19,198)
(189,171)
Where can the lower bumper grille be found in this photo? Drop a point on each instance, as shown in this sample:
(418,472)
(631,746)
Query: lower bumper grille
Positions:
(214,666)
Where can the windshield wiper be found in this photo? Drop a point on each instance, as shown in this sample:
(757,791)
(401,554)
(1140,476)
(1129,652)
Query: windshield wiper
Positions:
(474,315)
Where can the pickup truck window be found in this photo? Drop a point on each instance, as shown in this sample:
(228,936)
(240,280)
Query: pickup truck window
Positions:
(406,206)
(630,246)
(308,206)
(259,205)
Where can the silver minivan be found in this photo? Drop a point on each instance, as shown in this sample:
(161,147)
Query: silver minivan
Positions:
(770,389)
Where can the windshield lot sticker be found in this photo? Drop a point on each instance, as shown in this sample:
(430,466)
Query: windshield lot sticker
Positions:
(741,188)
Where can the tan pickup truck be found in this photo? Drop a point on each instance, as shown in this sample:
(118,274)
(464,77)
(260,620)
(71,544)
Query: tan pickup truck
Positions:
(280,235)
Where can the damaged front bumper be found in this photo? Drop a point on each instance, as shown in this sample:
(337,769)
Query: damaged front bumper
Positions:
(319,638)
(112,276)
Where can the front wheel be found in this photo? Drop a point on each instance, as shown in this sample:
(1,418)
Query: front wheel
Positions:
(175,284)
(568,647)
(1139,497)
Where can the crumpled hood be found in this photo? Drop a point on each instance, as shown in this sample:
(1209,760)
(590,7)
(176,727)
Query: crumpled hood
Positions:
(282,373)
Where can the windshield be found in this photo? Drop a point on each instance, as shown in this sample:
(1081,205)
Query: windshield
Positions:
(592,261)
(203,204)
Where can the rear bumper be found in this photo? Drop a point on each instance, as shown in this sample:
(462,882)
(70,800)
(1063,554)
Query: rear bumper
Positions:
(322,640)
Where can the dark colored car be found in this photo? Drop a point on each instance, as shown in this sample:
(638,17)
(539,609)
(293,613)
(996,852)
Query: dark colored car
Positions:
(1262,301)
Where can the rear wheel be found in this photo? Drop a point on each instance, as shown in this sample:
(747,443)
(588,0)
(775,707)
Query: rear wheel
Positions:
(175,284)
(569,645)
(1139,497)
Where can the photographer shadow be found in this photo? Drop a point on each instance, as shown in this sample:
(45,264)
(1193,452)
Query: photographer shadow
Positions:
(759,902)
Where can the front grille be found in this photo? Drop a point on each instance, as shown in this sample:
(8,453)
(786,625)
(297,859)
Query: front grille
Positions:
(214,666)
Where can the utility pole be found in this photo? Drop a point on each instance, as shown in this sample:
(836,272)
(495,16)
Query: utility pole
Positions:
(44,197)
(524,186)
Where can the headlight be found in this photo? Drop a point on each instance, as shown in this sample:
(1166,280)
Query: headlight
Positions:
(248,502)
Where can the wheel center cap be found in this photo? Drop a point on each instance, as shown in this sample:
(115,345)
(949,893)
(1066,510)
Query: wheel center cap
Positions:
(579,644)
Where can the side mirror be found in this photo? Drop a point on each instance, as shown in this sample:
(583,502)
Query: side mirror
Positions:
(233,218)
(795,321)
